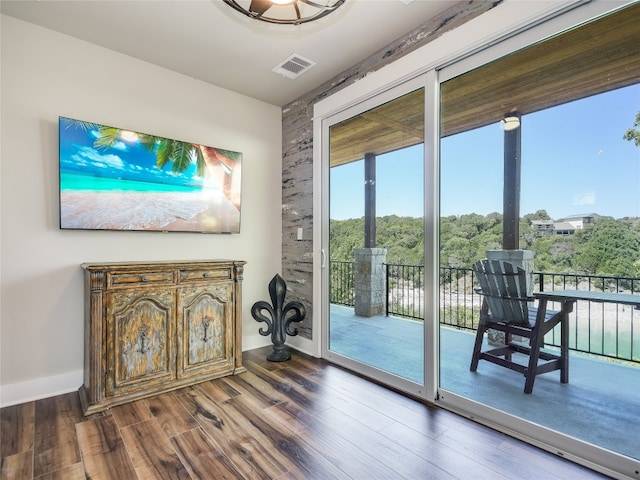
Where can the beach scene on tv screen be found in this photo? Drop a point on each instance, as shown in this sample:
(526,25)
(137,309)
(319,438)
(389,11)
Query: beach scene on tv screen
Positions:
(115,179)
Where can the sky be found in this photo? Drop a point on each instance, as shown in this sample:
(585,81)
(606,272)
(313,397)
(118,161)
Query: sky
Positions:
(574,161)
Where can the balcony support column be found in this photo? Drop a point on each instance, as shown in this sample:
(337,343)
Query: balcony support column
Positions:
(512,180)
(370,291)
(369,200)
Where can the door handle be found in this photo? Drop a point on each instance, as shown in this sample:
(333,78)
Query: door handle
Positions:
(323,258)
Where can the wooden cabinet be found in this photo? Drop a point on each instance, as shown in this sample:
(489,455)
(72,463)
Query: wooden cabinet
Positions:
(154,327)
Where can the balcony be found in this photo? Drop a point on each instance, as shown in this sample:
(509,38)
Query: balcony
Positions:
(604,377)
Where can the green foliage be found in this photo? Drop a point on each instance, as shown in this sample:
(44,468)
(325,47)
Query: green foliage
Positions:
(109,137)
(605,247)
(180,154)
(608,247)
(554,253)
(466,238)
(401,236)
(633,134)
(344,236)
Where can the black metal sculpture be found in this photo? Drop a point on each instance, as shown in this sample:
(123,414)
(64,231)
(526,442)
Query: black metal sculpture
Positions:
(278,326)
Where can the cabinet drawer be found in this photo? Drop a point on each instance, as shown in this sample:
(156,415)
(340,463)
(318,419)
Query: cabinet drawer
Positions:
(141,278)
(187,276)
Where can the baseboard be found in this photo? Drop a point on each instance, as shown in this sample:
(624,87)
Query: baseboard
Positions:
(251,343)
(304,345)
(30,390)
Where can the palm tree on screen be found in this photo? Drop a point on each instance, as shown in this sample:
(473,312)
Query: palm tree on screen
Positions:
(209,161)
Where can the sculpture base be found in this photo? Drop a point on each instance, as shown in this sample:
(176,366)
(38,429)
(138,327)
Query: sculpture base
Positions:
(279,355)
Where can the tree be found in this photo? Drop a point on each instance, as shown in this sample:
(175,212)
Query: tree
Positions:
(538,215)
(607,247)
(633,134)
(554,253)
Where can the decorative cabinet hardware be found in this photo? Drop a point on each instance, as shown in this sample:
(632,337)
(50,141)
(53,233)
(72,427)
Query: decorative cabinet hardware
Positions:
(206,322)
(143,332)
(154,327)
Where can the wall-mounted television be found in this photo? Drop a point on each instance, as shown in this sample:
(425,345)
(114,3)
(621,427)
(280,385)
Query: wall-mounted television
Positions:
(117,179)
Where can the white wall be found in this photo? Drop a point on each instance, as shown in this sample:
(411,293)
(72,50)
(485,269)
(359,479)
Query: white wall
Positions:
(46,75)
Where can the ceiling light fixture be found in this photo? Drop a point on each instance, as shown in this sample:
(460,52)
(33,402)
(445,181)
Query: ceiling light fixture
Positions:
(285,12)
(511,121)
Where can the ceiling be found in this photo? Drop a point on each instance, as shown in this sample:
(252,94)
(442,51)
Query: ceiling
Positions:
(207,40)
(597,57)
(600,56)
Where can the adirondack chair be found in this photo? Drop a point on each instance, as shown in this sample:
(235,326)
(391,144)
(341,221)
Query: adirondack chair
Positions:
(506,307)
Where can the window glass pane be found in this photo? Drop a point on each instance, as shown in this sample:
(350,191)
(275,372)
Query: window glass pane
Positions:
(376,241)
(578,213)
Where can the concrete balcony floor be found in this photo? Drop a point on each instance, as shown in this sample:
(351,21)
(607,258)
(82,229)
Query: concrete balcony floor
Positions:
(600,404)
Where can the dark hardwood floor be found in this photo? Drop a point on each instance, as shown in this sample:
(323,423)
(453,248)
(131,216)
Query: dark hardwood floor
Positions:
(302,419)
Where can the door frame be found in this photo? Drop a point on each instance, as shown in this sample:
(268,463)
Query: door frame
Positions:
(388,95)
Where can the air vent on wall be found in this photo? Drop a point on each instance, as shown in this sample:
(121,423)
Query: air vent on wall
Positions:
(293,66)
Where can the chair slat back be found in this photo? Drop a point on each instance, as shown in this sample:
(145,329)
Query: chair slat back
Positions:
(505,290)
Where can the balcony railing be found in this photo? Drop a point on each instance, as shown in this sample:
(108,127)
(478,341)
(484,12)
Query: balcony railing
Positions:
(343,291)
(607,330)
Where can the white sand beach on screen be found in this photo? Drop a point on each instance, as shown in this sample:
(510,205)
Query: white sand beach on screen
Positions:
(160,211)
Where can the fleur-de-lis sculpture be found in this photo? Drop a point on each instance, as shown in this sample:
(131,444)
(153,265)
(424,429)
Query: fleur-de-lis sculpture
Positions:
(278,325)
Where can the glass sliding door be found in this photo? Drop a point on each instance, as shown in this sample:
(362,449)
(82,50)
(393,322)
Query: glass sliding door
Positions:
(375,228)
(574,197)
(577,178)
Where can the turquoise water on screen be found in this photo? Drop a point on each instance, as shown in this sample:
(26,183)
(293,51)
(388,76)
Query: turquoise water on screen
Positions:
(74,182)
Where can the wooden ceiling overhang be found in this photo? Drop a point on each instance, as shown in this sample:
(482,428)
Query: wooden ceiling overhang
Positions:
(386,128)
(594,58)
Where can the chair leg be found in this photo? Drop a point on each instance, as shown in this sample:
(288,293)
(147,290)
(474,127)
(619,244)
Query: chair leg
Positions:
(477,347)
(534,356)
(564,348)
(508,338)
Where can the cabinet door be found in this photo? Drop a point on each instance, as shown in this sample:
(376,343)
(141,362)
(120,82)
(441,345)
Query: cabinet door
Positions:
(205,330)
(140,339)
